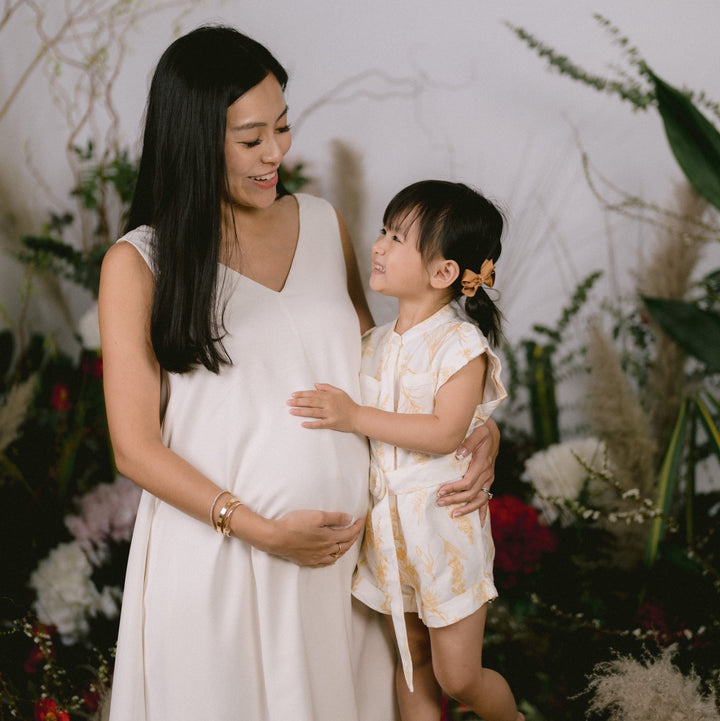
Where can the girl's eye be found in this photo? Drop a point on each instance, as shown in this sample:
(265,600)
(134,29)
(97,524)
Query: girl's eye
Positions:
(396,239)
(285,129)
(252,144)
(383,231)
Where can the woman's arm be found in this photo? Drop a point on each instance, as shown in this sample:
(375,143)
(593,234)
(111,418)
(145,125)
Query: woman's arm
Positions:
(438,432)
(354,283)
(132,395)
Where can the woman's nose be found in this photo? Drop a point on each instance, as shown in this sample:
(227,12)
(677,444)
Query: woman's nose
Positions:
(273,152)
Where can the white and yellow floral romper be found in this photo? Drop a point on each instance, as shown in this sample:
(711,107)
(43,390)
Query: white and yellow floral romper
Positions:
(416,557)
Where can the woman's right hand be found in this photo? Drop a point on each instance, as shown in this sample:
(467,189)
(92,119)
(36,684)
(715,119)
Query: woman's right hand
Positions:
(314,538)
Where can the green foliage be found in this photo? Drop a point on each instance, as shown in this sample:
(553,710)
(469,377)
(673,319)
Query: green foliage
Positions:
(45,253)
(101,184)
(696,330)
(293,177)
(533,365)
(693,139)
(634,91)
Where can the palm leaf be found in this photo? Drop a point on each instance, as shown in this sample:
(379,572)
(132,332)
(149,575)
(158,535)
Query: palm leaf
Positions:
(694,140)
(693,328)
(667,482)
(710,424)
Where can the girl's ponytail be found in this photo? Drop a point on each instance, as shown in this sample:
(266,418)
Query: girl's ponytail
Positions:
(483,311)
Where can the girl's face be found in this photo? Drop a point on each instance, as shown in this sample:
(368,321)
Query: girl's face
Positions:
(257,137)
(398,269)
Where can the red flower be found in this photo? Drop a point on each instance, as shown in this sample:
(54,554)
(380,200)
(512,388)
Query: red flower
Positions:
(38,657)
(35,660)
(60,397)
(46,709)
(520,539)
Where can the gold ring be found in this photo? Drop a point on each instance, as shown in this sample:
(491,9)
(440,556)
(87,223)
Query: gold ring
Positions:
(338,552)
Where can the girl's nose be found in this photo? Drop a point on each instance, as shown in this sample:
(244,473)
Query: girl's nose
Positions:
(377,246)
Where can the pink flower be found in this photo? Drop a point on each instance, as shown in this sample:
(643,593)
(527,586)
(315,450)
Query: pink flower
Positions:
(107,513)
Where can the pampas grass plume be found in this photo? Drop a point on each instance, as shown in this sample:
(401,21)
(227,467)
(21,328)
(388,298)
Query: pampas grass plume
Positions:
(627,689)
(15,409)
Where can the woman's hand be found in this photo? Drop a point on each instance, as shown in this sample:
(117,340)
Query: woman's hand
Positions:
(313,538)
(483,443)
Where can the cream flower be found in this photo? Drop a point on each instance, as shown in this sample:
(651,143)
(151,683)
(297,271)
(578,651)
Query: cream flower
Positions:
(66,595)
(560,472)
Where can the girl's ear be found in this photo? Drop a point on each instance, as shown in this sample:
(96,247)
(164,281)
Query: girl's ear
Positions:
(444,273)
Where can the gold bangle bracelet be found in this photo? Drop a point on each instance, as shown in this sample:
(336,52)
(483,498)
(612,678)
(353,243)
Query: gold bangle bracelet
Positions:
(214,503)
(226,519)
(223,512)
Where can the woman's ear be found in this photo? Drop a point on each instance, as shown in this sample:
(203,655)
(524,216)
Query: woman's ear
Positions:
(443,273)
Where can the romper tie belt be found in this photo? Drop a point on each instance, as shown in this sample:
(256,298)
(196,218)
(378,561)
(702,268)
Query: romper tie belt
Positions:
(435,472)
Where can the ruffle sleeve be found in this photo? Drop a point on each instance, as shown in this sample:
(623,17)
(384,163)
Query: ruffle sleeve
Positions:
(462,345)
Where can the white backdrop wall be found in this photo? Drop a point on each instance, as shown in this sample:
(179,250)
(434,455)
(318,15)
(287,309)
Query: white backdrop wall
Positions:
(418,88)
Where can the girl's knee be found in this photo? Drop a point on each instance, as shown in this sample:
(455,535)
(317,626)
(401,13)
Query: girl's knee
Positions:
(458,682)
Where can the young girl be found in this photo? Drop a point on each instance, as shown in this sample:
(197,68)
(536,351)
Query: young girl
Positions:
(426,378)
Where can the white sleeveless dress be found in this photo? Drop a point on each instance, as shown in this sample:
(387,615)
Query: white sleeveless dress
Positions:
(211,628)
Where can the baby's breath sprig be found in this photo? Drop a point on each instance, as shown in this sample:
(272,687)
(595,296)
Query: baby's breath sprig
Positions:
(581,620)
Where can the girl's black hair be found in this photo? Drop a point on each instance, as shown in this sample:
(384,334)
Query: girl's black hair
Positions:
(182,182)
(458,223)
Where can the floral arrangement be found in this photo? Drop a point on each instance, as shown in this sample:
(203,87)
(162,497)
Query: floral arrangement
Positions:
(618,619)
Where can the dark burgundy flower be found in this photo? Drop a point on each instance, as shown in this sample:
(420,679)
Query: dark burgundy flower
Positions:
(91,364)
(60,397)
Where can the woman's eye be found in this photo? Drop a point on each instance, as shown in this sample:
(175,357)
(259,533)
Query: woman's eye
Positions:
(285,128)
(252,144)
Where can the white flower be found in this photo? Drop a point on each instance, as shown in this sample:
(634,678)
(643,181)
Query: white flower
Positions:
(66,596)
(556,473)
(89,329)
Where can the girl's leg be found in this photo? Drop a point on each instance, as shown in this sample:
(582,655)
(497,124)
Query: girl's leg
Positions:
(457,663)
(424,702)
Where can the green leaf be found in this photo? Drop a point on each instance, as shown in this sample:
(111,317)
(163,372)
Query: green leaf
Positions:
(710,425)
(694,329)
(694,140)
(667,483)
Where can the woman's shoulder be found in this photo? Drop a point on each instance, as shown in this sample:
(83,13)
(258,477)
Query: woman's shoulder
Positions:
(141,239)
(314,204)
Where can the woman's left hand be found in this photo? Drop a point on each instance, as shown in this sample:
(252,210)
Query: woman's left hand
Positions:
(483,443)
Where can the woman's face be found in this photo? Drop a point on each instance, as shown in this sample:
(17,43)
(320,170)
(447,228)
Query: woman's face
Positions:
(257,136)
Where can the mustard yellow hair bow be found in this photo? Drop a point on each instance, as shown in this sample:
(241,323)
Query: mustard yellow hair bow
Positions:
(470,281)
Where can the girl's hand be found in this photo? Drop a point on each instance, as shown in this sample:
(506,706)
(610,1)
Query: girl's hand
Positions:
(313,538)
(331,407)
(483,443)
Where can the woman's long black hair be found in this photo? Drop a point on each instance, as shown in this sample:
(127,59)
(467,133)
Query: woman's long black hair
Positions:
(458,223)
(182,183)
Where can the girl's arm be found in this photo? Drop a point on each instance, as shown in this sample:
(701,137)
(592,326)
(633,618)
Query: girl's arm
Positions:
(354,283)
(439,432)
(132,394)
